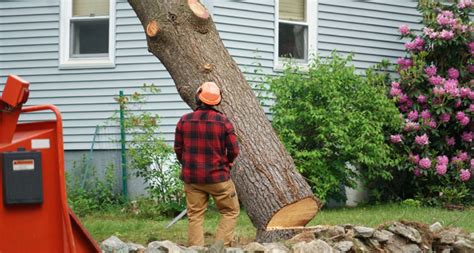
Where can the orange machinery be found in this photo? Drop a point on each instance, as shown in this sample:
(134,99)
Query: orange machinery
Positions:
(34,214)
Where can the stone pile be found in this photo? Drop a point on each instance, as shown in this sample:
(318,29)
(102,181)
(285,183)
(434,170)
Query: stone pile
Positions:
(409,237)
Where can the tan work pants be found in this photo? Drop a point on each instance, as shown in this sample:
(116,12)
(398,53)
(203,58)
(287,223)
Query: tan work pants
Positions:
(225,196)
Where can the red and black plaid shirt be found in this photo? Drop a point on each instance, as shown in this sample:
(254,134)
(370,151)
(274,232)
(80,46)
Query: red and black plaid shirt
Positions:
(205,143)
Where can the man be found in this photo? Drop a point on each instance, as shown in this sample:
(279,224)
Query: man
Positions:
(206,146)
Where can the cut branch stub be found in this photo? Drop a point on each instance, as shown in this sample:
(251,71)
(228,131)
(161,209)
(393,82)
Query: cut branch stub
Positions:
(152,29)
(198,9)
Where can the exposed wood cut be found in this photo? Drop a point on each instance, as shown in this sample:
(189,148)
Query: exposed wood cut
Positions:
(294,215)
(198,9)
(152,29)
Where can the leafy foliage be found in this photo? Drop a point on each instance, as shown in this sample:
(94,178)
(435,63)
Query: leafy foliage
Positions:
(434,94)
(332,121)
(93,194)
(150,156)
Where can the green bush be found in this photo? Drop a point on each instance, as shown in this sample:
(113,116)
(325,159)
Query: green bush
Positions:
(87,195)
(150,157)
(329,117)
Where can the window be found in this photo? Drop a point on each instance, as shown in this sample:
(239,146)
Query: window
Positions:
(87,34)
(296,31)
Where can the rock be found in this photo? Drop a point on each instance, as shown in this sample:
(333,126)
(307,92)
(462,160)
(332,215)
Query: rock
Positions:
(411,248)
(405,231)
(363,232)
(471,236)
(135,248)
(276,248)
(198,249)
(306,236)
(447,237)
(163,247)
(114,245)
(463,246)
(382,235)
(334,232)
(344,246)
(360,247)
(255,247)
(436,227)
(319,246)
(217,247)
(233,250)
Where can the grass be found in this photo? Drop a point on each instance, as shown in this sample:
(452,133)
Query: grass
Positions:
(101,225)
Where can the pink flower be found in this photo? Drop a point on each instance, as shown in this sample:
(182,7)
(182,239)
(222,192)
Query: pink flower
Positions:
(470,68)
(414,158)
(442,159)
(425,114)
(471,47)
(432,123)
(451,86)
(439,91)
(441,169)
(422,140)
(472,164)
(395,85)
(417,172)
(404,63)
(471,95)
(431,70)
(471,107)
(465,92)
(462,156)
(464,121)
(465,175)
(395,138)
(394,92)
(467,136)
(404,29)
(421,99)
(413,115)
(453,73)
(444,117)
(436,80)
(411,46)
(446,18)
(460,115)
(446,35)
(464,3)
(425,163)
(457,103)
(450,141)
(403,98)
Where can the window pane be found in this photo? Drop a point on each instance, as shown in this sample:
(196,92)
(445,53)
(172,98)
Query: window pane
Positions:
(292,10)
(90,37)
(293,41)
(90,8)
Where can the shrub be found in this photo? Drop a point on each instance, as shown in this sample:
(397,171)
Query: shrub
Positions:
(150,156)
(87,195)
(434,94)
(329,118)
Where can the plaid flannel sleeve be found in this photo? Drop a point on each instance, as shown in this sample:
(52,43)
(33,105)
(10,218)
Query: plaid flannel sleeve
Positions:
(178,141)
(231,142)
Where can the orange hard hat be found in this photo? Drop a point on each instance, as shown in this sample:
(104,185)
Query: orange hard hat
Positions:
(209,93)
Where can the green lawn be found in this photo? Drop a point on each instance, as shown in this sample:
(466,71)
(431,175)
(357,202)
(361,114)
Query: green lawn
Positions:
(139,230)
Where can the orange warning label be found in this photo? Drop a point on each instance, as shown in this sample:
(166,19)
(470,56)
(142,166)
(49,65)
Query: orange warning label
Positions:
(19,165)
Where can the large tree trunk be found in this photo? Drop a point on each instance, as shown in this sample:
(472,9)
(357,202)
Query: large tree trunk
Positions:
(183,36)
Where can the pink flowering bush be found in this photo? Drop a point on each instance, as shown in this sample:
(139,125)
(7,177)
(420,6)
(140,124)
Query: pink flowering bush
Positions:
(434,93)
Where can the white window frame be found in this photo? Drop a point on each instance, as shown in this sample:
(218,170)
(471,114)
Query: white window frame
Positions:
(312,24)
(65,59)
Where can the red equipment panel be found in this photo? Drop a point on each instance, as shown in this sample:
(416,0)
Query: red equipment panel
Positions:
(49,226)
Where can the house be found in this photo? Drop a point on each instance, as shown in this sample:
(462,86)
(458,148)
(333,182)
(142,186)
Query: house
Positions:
(78,54)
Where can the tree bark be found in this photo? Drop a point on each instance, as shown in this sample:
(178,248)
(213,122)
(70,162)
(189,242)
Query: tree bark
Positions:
(188,45)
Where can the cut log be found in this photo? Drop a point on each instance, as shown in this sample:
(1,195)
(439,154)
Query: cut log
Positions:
(152,29)
(268,185)
(198,9)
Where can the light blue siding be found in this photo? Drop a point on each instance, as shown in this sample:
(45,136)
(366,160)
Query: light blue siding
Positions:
(369,29)
(29,47)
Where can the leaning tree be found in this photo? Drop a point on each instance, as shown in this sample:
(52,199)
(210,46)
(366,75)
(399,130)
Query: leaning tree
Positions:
(182,35)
